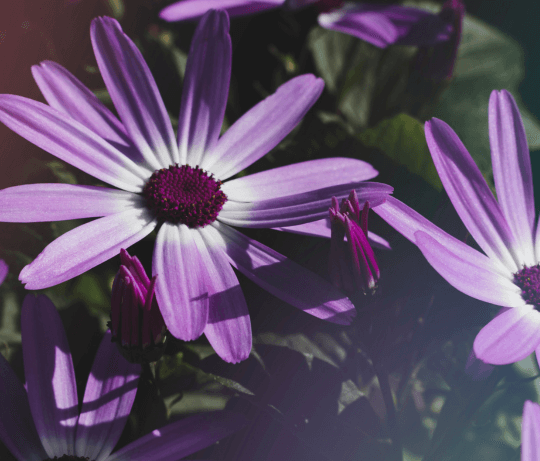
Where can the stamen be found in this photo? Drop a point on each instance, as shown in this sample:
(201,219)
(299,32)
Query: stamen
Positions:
(528,279)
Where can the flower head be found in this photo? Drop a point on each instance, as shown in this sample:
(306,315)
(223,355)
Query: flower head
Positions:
(179,186)
(43,421)
(507,274)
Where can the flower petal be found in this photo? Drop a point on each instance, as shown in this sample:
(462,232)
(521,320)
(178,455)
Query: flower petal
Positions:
(69,140)
(299,208)
(282,277)
(57,202)
(50,377)
(110,392)
(511,336)
(228,328)
(298,178)
(193,9)
(17,429)
(480,281)
(134,92)
(85,247)
(182,438)
(4,269)
(181,290)
(205,90)
(470,193)
(530,432)
(261,128)
(512,171)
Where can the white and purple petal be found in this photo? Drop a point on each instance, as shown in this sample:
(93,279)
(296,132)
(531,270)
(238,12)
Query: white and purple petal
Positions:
(181,290)
(110,392)
(50,377)
(530,432)
(133,92)
(86,246)
(205,90)
(512,171)
(282,277)
(58,202)
(262,128)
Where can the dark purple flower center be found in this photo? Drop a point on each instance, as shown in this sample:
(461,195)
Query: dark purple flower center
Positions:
(68,458)
(528,279)
(184,195)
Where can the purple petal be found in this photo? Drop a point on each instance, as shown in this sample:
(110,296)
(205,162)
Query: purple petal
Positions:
(298,178)
(182,438)
(512,171)
(193,9)
(85,247)
(181,290)
(206,88)
(17,429)
(57,202)
(69,140)
(300,208)
(4,269)
(50,378)
(110,392)
(64,92)
(383,25)
(511,336)
(228,328)
(530,432)
(282,277)
(261,128)
(481,281)
(134,92)
(476,369)
(470,193)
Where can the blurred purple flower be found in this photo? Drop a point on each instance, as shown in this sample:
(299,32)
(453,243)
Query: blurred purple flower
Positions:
(4,268)
(137,325)
(196,289)
(380,25)
(43,420)
(509,275)
(530,432)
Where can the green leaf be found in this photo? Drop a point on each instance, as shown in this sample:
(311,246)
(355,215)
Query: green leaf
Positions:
(402,139)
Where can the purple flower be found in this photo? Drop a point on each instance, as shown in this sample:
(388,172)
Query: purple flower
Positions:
(508,274)
(530,432)
(43,420)
(380,25)
(173,184)
(137,325)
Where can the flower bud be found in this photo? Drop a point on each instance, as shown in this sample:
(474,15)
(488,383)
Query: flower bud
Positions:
(136,323)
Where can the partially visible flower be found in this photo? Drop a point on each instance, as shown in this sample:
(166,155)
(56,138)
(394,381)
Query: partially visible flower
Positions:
(380,25)
(352,265)
(508,274)
(4,268)
(530,432)
(177,185)
(137,325)
(43,422)
(437,63)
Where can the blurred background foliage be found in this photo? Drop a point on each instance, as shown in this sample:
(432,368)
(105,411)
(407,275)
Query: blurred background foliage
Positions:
(309,388)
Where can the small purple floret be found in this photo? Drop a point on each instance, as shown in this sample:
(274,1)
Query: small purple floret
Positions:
(528,279)
(184,195)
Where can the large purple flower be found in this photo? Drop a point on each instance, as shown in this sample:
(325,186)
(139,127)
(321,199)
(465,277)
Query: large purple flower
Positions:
(173,184)
(380,25)
(43,421)
(508,274)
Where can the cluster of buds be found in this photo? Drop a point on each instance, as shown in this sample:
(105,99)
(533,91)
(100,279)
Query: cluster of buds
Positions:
(352,264)
(137,325)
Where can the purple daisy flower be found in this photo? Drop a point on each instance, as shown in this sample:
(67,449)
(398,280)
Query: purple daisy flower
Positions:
(508,274)
(176,185)
(41,420)
(380,25)
(530,432)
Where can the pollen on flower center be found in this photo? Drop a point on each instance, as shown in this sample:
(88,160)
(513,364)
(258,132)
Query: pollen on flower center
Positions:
(185,195)
(528,279)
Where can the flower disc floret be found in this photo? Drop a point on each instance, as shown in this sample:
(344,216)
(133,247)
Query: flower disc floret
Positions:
(184,195)
(528,279)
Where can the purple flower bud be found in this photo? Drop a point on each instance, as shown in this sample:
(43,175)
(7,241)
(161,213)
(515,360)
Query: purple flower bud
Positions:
(352,264)
(136,324)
